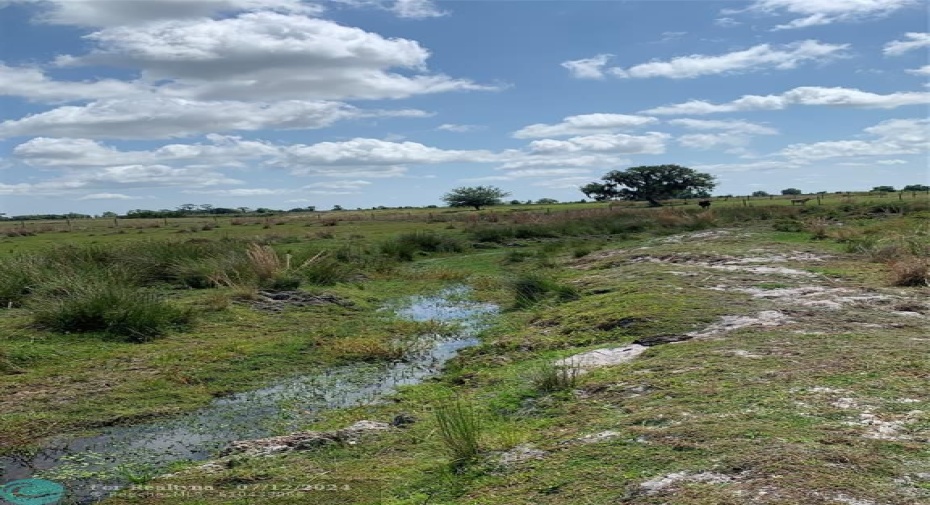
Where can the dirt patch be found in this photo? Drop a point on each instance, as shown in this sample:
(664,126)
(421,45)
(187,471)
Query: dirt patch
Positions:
(752,264)
(520,454)
(696,236)
(277,301)
(766,318)
(660,484)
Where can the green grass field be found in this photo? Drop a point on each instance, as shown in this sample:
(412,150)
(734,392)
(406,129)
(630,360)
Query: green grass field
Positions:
(802,378)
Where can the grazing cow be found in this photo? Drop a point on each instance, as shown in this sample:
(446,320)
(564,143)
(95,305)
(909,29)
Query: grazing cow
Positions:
(802,201)
(705,204)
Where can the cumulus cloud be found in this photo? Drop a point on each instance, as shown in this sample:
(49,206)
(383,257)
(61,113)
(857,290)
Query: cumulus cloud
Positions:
(221,151)
(102,13)
(364,152)
(824,12)
(806,95)
(241,192)
(912,40)
(530,174)
(747,167)
(121,177)
(705,141)
(268,56)
(160,117)
(584,124)
(924,70)
(760,57)
(107,196)
(730,125)
(650,143)
(34,85)
(891,137)
(458,128)
(356,184)
(416,9)
(588,68)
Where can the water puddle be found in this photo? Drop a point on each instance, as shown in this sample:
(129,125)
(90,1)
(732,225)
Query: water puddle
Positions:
(89,466)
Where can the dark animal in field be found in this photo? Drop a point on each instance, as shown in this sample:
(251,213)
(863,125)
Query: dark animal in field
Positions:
(705,204)
(801,201)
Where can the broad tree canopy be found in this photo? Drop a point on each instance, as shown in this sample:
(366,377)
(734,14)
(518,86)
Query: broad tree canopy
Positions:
(476,196)
(651,184)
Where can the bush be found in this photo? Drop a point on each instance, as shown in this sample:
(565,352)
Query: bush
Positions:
(120,311)
(911,271)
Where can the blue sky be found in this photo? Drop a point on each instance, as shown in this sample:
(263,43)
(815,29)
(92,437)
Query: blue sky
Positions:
(111,105)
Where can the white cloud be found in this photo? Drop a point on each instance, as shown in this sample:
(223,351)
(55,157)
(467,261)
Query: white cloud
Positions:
(924,70)
(891,162)
(106,196)
(357,184)
(894,136)
(747,167)
(584,124)
(912,40)
(416,9)
(726,22)
(824,12)
(458,128)
(268,56)
(730,125)
(33,84)
(175,117)
(760,57)
(705,141)
(588,68)
(531,174)
(101,13)
(242,192)
(650,143)
(221,150)
(807,95)
(362,152)
(120,177)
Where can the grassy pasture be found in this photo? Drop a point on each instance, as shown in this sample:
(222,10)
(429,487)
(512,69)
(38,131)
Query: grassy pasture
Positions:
(572,277)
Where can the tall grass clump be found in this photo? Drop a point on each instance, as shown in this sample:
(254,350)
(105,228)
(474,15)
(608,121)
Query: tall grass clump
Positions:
(551,377)
(18,276)
(109,307)
(529,288)
(460,428)
(406,246)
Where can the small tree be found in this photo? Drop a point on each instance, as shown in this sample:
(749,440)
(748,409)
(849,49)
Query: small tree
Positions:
(650,183)
(916,187)
(476,196)
(759,193)
(884,189)
(792,191)
(546,201)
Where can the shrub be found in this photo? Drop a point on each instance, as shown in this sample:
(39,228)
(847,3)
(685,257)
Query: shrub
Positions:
(120,311)
(460,429)
(911,271)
